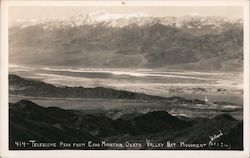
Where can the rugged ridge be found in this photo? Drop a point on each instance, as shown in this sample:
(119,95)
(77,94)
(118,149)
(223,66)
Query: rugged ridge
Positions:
(29,87)
(35,88)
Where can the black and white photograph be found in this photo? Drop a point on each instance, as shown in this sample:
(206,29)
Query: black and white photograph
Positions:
(126,77)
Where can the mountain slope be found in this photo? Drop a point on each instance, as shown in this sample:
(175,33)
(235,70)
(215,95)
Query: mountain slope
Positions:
(26,87)
(29,121)
(34,88)
(102,40)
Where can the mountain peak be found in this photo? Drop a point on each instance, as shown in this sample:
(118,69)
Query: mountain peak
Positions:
(224,117)
(138,15)
(25,104)
(103,15)
(99,13)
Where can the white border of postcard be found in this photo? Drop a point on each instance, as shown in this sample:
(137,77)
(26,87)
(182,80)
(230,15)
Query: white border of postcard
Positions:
(4,125)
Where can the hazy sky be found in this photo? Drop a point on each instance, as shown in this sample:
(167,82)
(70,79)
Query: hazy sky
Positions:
(45,11)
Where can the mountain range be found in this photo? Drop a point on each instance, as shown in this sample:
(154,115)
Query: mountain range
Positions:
(121,20)
(136,40)
(35,88)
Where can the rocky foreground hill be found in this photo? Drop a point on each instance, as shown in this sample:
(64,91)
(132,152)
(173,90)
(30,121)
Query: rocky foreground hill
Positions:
(32,122)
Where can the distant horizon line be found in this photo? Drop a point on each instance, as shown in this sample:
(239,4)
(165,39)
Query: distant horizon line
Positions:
(38,12)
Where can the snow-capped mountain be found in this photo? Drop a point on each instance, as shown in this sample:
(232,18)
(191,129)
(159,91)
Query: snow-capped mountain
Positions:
(93,18)
(103,39)
(121,20)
